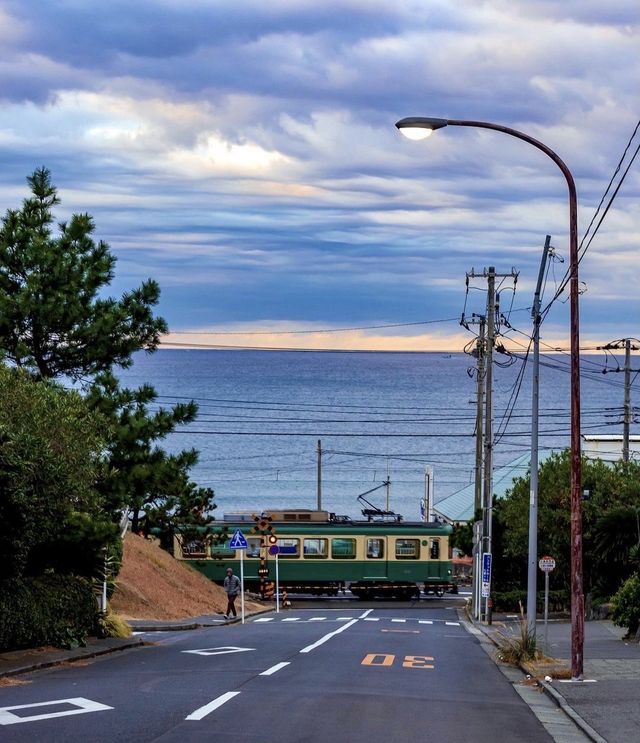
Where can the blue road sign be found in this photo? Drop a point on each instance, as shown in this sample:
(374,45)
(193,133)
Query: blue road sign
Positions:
(238,541)
(486,574)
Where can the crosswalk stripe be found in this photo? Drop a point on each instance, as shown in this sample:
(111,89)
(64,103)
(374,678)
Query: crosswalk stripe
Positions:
(291,619)
(264,619)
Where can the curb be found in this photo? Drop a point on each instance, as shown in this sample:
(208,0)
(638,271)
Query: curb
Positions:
(548,689)
(192,625)
(570,712)
(80,655)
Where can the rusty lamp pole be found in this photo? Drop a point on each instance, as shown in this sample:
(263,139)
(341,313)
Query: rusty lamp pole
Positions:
(419,127)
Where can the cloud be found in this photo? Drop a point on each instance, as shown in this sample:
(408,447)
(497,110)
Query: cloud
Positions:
(246,156)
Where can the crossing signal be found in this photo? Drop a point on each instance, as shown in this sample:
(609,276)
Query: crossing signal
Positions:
(272,539)
(263,571)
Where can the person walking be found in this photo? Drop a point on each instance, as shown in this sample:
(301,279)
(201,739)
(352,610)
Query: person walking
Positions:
(232,589)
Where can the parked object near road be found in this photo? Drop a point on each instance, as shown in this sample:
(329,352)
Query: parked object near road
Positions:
(318,552)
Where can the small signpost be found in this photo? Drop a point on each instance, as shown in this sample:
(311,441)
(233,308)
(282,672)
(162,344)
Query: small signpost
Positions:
(239,542)
(546,564)
(274,549)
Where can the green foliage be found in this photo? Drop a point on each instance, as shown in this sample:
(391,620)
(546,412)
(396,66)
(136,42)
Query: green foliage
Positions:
(511,600)
(609,487)
(52,320)
(50,446)
(142,475)
(47,610)
(55,321)
(626,605)
(462,538)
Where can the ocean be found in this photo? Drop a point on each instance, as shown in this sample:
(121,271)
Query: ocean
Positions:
(261,415)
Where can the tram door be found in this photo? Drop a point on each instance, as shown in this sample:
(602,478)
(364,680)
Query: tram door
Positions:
(434,565)
(377,558)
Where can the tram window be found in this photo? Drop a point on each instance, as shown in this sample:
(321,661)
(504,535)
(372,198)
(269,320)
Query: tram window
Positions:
(194,548)
(343,549)
(288,548)
(407,549)
(221,550)
(375,549)
(315,549)
(253,549)
(434,552)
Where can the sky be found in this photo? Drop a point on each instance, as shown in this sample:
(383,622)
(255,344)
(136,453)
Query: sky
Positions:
(244,155)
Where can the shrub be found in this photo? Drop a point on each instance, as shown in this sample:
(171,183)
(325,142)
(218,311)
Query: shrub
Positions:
(516,648)
(113,625)
(52,609)
(511,600)
(626,605)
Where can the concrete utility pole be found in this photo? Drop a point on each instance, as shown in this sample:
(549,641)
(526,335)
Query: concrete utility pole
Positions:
(627,400)
(532,574)
(628,345)
(480,374)
(319,490)
(487,499)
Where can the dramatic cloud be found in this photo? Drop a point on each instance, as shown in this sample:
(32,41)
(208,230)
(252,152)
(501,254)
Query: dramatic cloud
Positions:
(245,156)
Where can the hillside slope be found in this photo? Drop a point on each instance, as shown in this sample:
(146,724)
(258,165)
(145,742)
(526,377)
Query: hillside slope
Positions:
(153,585)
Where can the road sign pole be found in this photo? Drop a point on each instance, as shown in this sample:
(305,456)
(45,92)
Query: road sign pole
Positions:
(242,585)
(546,612)
(277,587)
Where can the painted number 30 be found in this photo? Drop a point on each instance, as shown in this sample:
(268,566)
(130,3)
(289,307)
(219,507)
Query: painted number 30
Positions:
(410,661)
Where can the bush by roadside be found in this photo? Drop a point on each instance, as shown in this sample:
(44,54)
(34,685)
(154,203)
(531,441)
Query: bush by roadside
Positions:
(626,606)
(58,610)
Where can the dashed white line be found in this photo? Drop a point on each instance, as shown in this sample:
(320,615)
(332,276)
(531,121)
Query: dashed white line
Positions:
(274,669)
(343,619)
(399,620)
(264,619)
(291,619)
(425,621)
(217,702)
(372,619)
(453,624)
(316,619)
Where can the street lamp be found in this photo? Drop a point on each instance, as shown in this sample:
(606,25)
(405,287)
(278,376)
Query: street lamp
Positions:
(420,127)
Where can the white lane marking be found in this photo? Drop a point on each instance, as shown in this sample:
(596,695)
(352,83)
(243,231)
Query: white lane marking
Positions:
(453,624)
(274,669)
(263,619)
(81,704)
(217,702)
(372,619)
(324,639)
(291,619)
(425,621)
(218,651)
(343,619)
(398,620)
(365,614)
(316,619)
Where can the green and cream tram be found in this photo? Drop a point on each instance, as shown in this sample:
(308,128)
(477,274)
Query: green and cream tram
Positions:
(319,553)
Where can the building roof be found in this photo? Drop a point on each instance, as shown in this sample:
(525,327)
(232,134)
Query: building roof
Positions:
(459,505)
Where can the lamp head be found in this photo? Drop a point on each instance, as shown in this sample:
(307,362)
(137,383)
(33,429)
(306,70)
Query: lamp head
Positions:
(420,127)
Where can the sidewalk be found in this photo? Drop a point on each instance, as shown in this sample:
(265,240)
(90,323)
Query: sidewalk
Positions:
(16,662)
(607,700)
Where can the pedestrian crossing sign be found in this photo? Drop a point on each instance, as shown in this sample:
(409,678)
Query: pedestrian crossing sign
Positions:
(238,541)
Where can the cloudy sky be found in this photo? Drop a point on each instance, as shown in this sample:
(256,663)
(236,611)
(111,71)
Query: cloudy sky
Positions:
(244,154)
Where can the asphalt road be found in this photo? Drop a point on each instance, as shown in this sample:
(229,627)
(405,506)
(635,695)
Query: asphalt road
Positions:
(349,675)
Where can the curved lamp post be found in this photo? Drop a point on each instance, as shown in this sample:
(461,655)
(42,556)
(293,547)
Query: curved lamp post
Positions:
(419,127)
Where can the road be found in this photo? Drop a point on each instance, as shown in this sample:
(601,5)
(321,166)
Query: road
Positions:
(349,674)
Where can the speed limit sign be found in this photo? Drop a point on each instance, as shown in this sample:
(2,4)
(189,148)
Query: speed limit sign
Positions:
(546,564)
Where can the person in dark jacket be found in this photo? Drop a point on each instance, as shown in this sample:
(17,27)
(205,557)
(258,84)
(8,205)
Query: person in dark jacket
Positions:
(232,589)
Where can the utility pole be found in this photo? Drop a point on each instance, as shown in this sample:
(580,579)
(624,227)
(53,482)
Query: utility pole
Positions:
(532,574)
(627,400)
(628,346)
(480,375)
(487,499)
(319,489)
